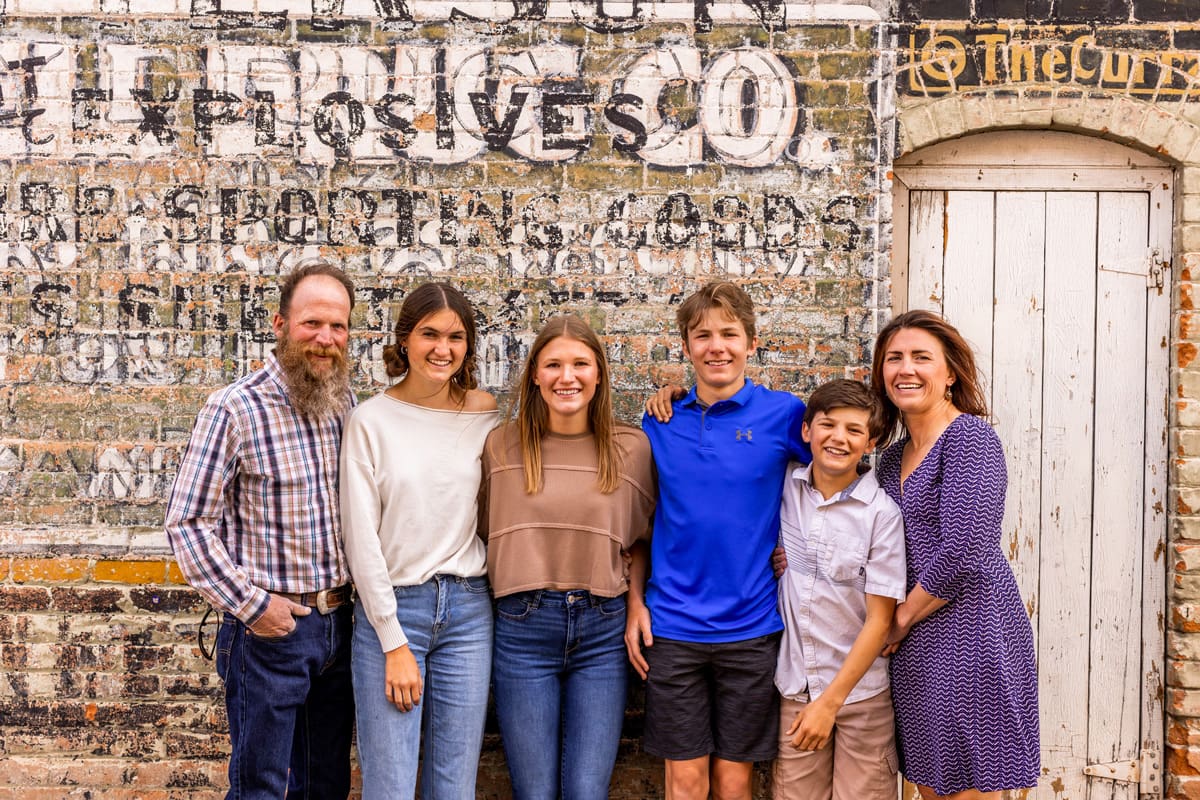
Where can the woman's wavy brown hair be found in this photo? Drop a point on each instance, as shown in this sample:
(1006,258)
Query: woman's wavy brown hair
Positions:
(966,393)
(426,299)
(533,417)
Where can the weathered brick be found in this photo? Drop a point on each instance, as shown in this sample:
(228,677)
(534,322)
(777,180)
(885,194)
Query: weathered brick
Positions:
(1187,471)
(129,571)
(24,598)
(49,570)
(105,657)
(167,600)
(200,685)
(606,177)
(1186,412)
(87,600)
(846,65)
(1183,702)
(174,574)
(135,686)
(1184,674)
(1183,787)
(190,745)
(1179,142)
(142,745)
(14,656)
(1185,618)
(138,658)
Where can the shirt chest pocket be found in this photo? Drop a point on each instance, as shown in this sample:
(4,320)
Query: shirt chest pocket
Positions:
(845,559)
(285,470)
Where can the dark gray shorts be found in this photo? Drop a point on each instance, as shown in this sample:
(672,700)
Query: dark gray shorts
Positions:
(712,699)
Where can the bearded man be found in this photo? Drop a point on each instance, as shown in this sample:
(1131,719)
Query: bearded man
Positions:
(254,522)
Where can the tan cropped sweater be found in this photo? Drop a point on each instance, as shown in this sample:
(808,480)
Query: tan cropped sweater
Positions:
(569,535)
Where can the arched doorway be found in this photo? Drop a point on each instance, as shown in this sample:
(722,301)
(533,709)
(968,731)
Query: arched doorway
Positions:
(1050,251)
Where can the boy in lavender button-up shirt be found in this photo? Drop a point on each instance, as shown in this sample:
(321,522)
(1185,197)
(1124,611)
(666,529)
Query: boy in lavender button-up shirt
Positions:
(844,541)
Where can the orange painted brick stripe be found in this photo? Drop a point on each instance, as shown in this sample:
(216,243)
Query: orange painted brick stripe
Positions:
(72,570)
(130,571)
(49,570)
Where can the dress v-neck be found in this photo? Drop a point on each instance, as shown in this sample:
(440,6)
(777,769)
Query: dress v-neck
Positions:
(936,442)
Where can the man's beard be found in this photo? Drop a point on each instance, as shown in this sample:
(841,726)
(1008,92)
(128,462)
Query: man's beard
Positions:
(314,394)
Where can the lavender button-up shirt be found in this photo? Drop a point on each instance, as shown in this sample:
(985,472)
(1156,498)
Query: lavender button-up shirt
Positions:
(839,550)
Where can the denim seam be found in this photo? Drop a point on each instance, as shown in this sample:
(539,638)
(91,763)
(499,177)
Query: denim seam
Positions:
(240,634)
(330,622)
(562,751)
(306,751)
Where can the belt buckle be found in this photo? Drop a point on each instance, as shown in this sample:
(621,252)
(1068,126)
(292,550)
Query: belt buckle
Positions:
(323,602)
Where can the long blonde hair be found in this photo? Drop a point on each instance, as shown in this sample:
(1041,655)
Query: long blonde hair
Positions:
(533,418)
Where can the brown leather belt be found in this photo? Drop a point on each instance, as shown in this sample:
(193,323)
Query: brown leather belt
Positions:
(323,601)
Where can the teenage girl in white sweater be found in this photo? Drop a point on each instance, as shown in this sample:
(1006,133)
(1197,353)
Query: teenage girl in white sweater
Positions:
(410,471)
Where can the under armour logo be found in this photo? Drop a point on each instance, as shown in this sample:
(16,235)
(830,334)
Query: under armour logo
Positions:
(744,434)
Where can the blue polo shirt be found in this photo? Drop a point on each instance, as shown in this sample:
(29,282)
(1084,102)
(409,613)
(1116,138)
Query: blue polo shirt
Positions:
(720,482)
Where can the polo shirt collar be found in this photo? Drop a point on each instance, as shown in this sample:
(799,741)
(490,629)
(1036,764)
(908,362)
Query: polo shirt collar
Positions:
(740,398)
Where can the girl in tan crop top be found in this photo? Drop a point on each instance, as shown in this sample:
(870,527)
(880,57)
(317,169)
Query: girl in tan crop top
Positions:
(566,491)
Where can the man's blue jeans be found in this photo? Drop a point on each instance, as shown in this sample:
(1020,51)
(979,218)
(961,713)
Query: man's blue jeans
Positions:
(448,622)
(290,707)
(560,673)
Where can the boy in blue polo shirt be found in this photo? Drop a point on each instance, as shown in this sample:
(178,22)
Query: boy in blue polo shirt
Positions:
(708,619)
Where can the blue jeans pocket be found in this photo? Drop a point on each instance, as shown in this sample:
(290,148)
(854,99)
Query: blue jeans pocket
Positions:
(273,639)
(515,606)
(476,585)
(225,635)
(612,607)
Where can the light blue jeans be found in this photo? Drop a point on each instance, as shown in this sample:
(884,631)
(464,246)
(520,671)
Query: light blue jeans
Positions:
(448,621)
(560,673)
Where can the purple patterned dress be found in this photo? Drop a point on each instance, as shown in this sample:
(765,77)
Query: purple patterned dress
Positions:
(964,681)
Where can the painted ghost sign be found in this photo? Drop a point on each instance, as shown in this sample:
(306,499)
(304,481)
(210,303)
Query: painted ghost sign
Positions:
(948,58)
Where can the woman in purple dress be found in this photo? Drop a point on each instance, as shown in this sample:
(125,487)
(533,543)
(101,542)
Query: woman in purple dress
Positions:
(964,678)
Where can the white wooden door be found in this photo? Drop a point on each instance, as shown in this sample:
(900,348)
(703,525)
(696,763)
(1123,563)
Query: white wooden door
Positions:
(1047,252)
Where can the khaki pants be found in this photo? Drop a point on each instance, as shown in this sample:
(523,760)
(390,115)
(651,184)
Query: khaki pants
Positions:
(858,763)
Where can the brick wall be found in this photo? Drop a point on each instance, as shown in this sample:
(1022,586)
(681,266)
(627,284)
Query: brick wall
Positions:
(163,163)
(104,687)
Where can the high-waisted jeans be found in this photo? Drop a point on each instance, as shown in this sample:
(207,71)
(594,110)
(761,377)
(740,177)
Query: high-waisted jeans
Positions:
(560,673)
(448,622)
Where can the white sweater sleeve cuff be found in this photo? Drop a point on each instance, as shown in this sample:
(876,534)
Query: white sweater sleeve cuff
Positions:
(390,634)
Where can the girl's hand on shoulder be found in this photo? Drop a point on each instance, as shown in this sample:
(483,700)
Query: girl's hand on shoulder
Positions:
(658,405)
(402,678)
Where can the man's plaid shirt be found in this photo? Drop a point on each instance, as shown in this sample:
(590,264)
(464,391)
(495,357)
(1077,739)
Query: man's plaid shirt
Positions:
(254,507)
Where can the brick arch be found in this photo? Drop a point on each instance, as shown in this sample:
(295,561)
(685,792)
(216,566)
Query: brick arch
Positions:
(1157,129)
